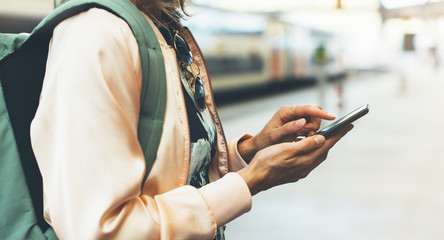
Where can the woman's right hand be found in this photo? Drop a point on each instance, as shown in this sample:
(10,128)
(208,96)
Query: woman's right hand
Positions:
(287,162)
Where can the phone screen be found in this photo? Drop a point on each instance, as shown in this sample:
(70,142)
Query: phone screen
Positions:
(347,119)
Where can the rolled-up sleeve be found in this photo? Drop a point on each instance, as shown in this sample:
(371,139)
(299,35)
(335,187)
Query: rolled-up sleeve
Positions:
(236,162)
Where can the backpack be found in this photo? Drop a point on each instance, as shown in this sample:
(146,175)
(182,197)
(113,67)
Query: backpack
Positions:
(22,68)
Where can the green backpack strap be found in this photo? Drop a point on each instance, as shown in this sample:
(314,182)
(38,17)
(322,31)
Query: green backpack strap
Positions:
(18,219)
(153,92)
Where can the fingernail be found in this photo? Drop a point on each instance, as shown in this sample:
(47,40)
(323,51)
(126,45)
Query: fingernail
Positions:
(331,115)
(319,139)
(300,123)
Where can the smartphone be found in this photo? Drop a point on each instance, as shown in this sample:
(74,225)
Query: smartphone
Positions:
(344,121)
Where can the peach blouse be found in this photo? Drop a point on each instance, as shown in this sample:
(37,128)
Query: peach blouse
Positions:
(84,136)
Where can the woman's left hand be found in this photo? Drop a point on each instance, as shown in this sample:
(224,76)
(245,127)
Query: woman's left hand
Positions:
(287,124)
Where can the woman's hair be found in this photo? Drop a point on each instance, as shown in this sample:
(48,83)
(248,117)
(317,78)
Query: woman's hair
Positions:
(168,12)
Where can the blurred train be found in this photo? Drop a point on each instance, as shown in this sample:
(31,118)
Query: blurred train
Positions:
(246,49)
(243,49)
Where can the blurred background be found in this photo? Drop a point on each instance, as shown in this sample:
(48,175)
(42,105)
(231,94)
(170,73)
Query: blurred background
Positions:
(385,179)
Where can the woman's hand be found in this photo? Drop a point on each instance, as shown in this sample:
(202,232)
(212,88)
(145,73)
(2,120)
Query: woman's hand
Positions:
(288,123)
(287,162)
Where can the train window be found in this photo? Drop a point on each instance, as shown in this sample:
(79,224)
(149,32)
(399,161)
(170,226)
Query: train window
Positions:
(234,65)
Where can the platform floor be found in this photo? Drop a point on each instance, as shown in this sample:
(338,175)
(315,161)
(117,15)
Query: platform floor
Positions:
(383,181)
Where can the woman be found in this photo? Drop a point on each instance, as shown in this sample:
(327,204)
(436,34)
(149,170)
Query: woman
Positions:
(84,136)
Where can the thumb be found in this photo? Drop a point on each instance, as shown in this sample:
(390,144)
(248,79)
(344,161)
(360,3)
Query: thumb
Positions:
(291,128)
(309,144)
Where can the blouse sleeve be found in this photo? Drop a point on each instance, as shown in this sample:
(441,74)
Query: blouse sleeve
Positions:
(84,136)
(236,162)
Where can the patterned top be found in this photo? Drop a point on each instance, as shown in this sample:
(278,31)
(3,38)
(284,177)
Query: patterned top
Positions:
(203,136)
(203,144)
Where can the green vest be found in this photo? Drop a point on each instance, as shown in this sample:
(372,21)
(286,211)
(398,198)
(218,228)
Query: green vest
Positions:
(22,69)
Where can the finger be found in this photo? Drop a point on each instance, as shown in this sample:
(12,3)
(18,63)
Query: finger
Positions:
(312,111)
(285,114)
(315,164)
(303,132)
(299,155)
(308,144)
(311,133)
(313,125)
(307,131)
(314,122)
(321,153)
(289,131)
(290,113)
(292,127)
(332,140)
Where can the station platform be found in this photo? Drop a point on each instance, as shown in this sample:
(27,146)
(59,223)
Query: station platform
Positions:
(384,180)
